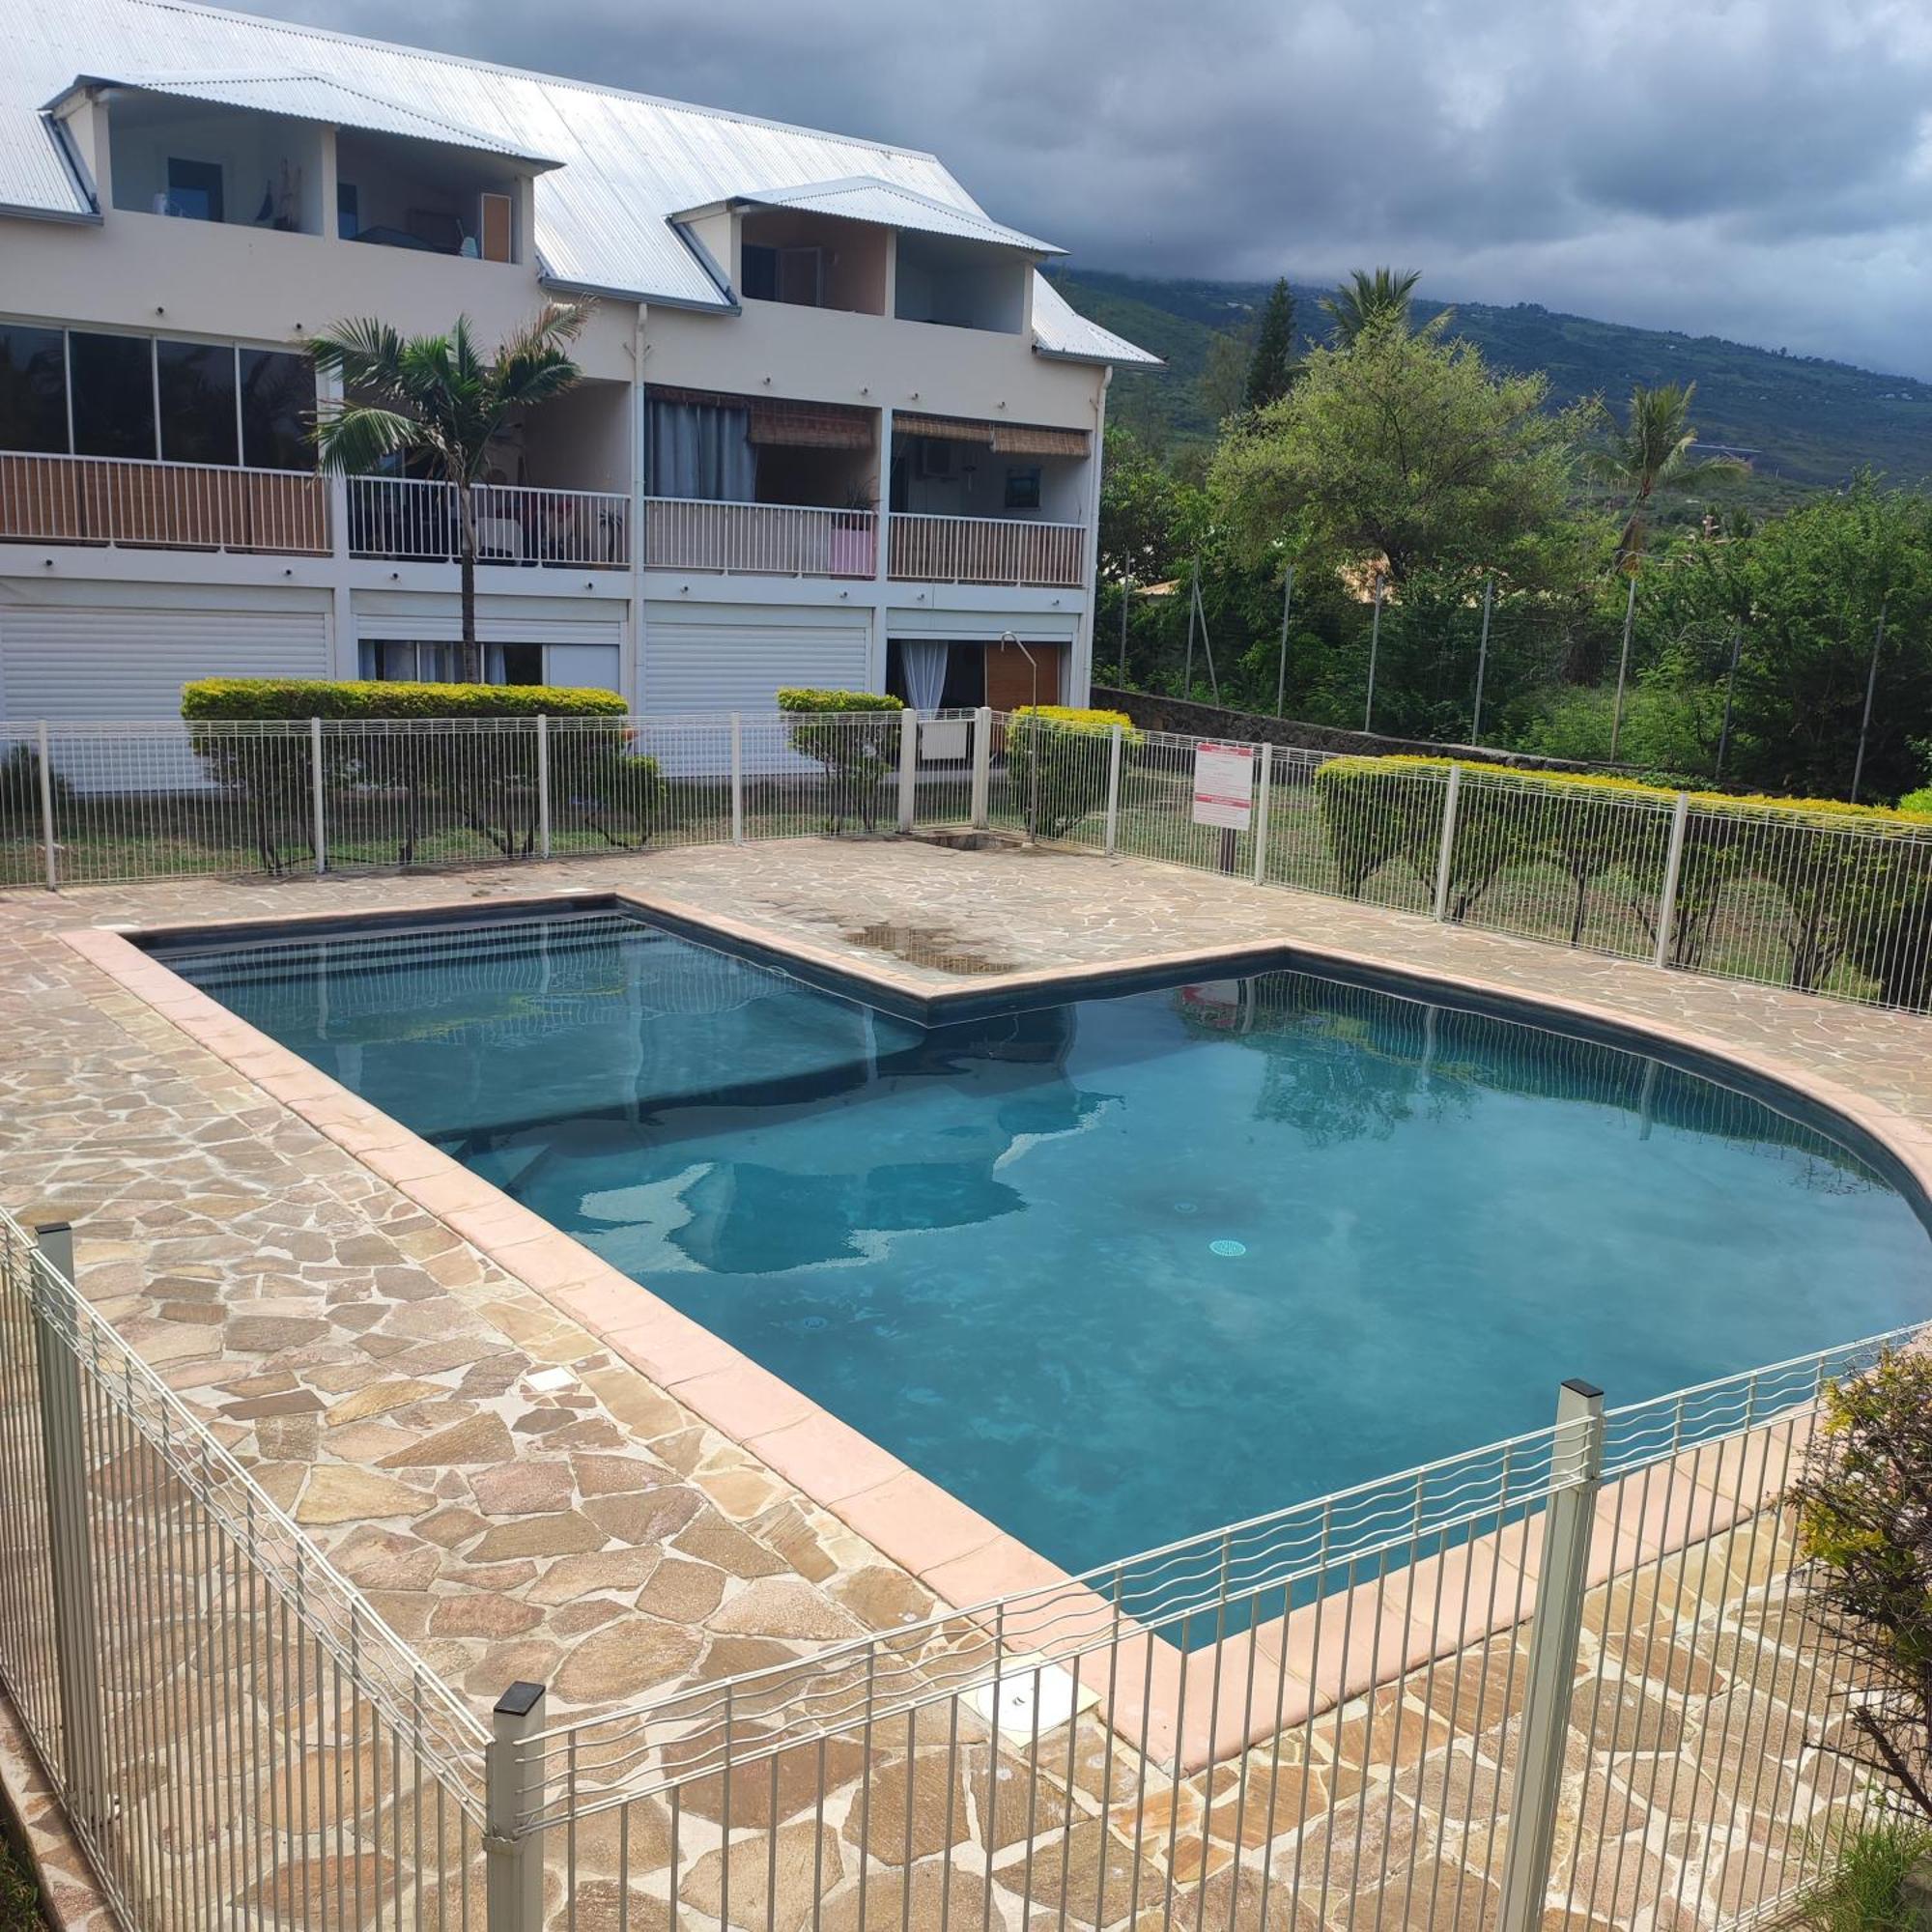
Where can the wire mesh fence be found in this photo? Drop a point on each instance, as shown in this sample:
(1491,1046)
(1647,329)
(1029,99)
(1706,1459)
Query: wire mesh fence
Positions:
(1568,1677)
(236,1735)
(1780,896)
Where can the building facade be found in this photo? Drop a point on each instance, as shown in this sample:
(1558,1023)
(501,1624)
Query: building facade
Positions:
(835,428)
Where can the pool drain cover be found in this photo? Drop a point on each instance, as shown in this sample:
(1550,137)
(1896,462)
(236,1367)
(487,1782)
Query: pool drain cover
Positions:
(1229,1247)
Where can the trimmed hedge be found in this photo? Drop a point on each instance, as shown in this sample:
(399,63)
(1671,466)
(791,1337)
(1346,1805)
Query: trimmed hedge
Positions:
(485,780)
(245,698)
(1059,741)
(1862,902)
(857,758)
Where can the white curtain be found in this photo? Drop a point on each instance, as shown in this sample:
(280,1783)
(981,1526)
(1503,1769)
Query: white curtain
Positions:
(702,452)
(924,662)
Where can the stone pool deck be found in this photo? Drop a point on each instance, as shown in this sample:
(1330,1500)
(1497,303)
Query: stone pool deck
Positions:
(373,1365)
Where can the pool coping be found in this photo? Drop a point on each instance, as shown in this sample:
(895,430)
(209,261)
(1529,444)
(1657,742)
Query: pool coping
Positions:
(1176,1705)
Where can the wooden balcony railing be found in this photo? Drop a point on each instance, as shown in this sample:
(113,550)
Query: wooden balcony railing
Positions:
(760,539)
(986,549)
(96,499)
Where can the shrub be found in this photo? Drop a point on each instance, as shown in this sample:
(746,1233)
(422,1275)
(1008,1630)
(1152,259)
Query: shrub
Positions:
(1865,1530)
(20,790)
(1865,1892)
(1863,902)
(19,1898)
(846,732)
(486,777)
(1064,750)
(1917,803)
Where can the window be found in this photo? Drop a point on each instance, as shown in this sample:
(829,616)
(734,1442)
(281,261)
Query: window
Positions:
(516,664)
(347,211)
(216,403)
(760,272)
(277,404)
(196,385)
(391,660)
(113,381)
(33,389)
(1023,488)
(194,190)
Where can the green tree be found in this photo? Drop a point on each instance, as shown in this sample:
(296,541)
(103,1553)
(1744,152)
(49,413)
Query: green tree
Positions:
(1404,451)
(1223,382)
(1370,297)
(436,397)
(1652,451)
(1271,368)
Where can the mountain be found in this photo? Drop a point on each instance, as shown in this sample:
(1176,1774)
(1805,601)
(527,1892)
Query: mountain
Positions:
(1799,419)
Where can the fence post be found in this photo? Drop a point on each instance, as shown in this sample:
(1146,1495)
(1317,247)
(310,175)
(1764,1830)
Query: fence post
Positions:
(1445,852)
(318,825)
(543,783)
(1112,834)
(64,1458)
(50,850)
(982,766)
(908,766)
(513,1791)
(1262,816)
(1673,869)
(1577,1469)
(737,778)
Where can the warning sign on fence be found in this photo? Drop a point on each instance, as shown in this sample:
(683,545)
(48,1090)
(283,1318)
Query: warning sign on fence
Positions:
(1224,785)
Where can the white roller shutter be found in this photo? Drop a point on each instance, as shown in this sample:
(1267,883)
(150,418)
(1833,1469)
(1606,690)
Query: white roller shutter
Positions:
(112,663)
(739,663)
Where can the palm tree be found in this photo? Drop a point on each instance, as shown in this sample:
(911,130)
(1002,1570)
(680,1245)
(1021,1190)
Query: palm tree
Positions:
(1367,298)
(1651,452)
(436,396)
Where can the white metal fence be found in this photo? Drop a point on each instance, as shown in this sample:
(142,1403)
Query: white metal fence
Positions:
(1566,1678)
(1822,903)
(416,519)
(760,539)
(236,1734)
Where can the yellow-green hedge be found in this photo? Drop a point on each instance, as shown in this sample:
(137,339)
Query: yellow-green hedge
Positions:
(215,700)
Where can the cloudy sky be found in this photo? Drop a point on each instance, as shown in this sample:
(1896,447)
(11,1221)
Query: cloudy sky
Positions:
(1760,169)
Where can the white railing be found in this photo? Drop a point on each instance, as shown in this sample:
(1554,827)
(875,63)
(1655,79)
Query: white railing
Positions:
(415,519)
(98,500)
(1805,901)
(987,550)
(236,1734)
(760,539)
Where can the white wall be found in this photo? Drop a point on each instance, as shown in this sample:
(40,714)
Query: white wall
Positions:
(956,283)
(251,151)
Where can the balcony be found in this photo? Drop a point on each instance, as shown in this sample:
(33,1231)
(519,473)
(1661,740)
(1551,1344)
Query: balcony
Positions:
(133,504)
(986,549)
(760,539)
(405,520)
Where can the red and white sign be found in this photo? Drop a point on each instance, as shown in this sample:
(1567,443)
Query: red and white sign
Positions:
(1224,785)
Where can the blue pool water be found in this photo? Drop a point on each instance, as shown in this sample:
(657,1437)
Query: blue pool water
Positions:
(1125,1269)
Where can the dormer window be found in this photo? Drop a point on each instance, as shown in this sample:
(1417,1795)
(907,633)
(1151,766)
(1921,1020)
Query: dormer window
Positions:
(795,275)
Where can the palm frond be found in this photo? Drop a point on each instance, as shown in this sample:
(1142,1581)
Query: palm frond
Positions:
(354,437)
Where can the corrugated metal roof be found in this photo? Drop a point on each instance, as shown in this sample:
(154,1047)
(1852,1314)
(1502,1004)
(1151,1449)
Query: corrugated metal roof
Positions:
(866,198)
(312,96)
(628,162)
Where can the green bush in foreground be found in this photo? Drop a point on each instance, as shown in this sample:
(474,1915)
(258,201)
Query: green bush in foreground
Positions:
(485,779)
(1057,758)
(1865,1892)
(1861,902)
(20,1900)
(854,735)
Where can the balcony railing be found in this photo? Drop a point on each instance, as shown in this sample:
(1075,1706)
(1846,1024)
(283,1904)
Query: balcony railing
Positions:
(986,549)
(414,520)
(98,499)
(760,539)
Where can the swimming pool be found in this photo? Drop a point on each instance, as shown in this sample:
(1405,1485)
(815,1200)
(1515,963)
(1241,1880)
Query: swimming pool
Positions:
(1122,1269)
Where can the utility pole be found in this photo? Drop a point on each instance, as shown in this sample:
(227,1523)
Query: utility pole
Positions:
(1281,672)
(1375,644)
(1481,659)
(1623,665)
(1127,598)
(1871,686)
(1193,604)
(1730,686)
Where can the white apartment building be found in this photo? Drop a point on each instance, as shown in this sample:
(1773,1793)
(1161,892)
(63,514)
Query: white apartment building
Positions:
(834,427)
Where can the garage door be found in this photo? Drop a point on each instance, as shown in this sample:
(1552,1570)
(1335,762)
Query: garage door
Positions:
(716,665)
(107,663)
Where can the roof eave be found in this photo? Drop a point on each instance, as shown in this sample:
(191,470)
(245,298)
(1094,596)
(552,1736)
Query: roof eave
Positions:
(74,217)
(1142,361)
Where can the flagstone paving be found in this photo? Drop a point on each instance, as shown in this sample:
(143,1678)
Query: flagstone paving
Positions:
(383,1377)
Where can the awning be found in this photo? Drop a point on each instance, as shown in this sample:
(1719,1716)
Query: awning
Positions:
(779,420)
(1033,440)
(950,429)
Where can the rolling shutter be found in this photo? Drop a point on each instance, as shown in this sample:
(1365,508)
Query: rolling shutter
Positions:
(734,663)
(111,663)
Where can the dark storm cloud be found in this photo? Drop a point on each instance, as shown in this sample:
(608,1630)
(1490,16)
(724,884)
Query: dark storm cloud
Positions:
(1761,169)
